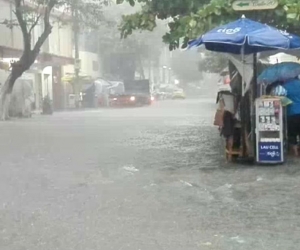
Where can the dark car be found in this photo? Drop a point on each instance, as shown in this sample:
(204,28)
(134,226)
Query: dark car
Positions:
(136,93)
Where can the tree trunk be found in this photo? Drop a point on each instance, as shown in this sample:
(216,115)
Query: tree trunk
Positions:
(5,93)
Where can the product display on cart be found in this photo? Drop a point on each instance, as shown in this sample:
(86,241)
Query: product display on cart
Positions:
(269,131)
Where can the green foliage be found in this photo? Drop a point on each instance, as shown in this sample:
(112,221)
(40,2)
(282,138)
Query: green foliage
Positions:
(145,44)
(187,72)
(89,12)
(212,62)
(142,47)
(195,64)
(189,19)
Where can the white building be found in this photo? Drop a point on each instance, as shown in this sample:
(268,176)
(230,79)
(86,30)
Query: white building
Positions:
(90,65)
(46,73)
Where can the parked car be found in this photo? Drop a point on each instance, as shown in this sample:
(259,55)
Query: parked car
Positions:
(178,94)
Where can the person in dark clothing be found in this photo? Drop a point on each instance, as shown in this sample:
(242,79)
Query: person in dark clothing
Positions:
(227,100)
(272,86)
(293,113)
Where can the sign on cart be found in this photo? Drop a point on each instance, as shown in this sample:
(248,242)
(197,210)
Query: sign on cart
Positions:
(248,5)
(270,152)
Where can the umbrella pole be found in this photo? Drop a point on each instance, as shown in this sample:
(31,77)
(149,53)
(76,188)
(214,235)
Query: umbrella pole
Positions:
(243,106)
(254,96)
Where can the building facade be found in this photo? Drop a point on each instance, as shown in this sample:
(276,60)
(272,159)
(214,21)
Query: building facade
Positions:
(46,73)
(89,54)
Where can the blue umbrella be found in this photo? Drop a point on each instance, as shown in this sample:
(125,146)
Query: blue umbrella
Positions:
(279,72)
(245,36)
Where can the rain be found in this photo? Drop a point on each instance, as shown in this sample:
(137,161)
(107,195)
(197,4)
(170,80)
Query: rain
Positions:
(109,135)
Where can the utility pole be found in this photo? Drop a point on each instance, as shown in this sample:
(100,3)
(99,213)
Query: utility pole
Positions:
(76,48)
(11,24)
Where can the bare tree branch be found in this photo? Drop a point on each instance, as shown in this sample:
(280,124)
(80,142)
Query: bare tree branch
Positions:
(23,25)
(47,26)
(35,23)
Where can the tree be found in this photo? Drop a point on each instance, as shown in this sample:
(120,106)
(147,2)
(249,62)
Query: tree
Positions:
(121,58)
(190,18)
(141,48)
(196,63)
(28,15)
(187,72)
(212,62)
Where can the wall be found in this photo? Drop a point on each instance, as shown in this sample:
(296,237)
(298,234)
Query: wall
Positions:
(9,38)
(36,84)
(87,67)
(90,65)
(58,89)
(3,76)
(60,41)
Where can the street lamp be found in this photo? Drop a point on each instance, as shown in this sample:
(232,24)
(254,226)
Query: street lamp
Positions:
(164,74)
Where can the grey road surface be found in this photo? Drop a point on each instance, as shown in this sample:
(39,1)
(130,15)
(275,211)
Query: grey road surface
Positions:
(150,178)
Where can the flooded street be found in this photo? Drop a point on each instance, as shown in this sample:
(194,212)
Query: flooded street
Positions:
(151,178)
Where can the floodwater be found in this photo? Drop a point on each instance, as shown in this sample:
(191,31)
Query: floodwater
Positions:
(139,179)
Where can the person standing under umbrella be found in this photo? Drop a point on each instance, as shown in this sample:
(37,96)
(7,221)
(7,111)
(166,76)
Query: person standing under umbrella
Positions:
(293,113)
(228,103)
